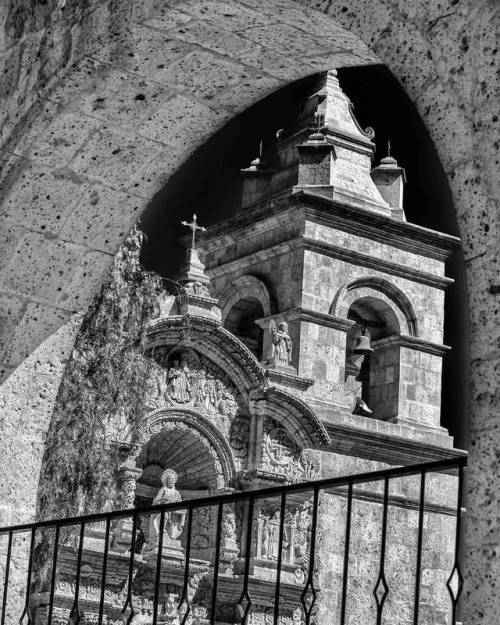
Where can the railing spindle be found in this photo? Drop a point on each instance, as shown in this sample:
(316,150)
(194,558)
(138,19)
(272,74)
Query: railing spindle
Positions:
(26,610)
(382,582)
(455,596)
(6,578)
(129,601)
(158,567)
(104,570)
(74,615)
(248,548)
(216,563)
(308,609)
(53,575)
(185,596)
(416,607)
(347,546)
(280,557)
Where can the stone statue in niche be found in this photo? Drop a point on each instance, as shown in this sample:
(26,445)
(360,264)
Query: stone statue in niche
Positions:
(281,347)
(179,385)
(173,520)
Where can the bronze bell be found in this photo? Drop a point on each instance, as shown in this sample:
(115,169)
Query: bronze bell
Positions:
(362,346)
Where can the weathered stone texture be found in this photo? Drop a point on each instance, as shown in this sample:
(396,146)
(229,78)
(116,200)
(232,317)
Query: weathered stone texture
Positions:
(445,54)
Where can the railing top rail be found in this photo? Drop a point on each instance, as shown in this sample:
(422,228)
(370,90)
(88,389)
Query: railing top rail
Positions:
(274,491)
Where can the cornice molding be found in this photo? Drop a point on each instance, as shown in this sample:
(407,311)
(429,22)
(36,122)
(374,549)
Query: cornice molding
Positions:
(354,219)
(365,260)
(391,449)
(413,342)
(323,319)
(333,251)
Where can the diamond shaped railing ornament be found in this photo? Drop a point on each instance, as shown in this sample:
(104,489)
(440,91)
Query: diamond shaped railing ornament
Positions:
(26,618)
(381,591)
(128,612)
(243,606)
(454,583)
(308,600)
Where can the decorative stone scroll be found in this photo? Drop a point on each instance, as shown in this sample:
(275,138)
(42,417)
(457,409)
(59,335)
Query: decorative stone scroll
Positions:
(282,457)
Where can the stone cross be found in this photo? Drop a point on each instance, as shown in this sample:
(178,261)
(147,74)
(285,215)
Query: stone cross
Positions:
(194,227)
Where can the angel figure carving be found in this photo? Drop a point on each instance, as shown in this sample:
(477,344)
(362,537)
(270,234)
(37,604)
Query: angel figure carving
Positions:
(281,349)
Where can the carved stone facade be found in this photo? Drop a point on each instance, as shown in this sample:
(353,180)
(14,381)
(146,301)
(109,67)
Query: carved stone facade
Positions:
(322,258)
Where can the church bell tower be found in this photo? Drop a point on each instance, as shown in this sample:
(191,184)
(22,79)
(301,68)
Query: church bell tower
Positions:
(320,254)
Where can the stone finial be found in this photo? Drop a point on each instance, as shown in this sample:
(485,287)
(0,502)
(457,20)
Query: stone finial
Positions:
(338,114)
(390,179)
(194,295)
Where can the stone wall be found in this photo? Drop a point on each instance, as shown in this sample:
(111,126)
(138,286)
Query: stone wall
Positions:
(444,55)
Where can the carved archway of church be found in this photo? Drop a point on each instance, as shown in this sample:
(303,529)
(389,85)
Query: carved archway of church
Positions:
(187,442)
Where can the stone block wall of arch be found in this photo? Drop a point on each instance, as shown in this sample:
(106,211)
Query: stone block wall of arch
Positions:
(100,102)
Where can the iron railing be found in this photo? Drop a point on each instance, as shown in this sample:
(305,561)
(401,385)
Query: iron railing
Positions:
(316,552)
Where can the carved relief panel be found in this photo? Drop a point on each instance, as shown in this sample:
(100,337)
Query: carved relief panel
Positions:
(184,379)
(181,378)
(283,459)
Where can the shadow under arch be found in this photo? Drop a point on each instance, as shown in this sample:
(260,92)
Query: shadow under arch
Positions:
(381,288)
(246,286)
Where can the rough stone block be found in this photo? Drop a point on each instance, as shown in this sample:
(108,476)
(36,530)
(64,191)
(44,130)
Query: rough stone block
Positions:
(102,218)
(113,157)
(180,123)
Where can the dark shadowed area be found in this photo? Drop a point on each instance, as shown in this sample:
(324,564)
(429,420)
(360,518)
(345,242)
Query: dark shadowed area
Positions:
(209,184)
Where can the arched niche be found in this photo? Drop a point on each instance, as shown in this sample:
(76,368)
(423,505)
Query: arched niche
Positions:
(188,443)
(245,301)
(373,377)
(397,307)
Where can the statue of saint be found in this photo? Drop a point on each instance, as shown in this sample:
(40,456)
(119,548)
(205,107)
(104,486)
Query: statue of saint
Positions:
(178,384)
(281,351)
(174,520)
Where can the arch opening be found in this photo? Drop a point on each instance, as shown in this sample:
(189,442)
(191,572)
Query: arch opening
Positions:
(375,374)
(240,320)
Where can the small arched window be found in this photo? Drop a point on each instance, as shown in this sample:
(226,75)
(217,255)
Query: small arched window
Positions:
(372,377)
(240,320)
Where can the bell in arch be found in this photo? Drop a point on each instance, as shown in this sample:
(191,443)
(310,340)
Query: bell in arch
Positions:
(362,346)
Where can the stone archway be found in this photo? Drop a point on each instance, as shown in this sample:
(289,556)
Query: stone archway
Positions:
(78,155)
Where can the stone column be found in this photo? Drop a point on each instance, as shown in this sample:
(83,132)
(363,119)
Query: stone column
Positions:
(122,528)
